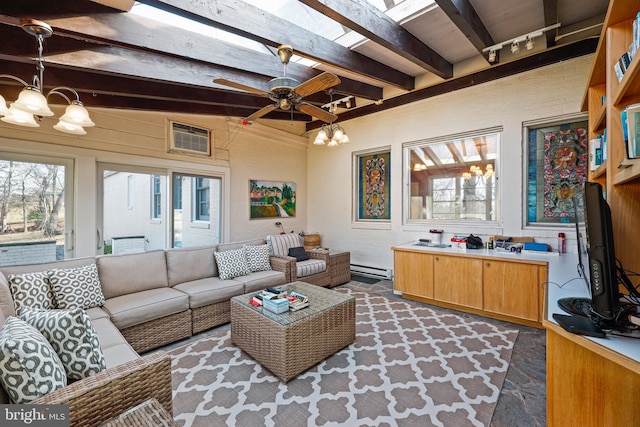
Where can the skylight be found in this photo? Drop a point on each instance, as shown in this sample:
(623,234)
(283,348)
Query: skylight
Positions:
(296,13)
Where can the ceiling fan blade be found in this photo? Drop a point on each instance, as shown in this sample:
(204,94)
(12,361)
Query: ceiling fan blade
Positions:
(317,112)
(240,86)
(261,112)
(316,84)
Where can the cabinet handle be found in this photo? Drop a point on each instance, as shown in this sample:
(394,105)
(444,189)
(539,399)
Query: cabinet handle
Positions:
(488,264)
(437,259)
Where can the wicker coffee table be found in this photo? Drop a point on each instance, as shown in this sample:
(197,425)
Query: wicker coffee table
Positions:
(290,343)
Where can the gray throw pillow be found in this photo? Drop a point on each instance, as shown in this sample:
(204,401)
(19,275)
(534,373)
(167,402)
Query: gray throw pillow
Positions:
(73,338)
(232,263)
(77,287)
(29,367)
(31,290)
(258,257)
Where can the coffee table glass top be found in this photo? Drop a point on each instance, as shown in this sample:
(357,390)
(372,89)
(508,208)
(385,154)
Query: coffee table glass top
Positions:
(320,299)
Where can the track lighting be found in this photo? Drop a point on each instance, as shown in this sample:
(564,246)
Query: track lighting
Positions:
(528,39)
(530,42)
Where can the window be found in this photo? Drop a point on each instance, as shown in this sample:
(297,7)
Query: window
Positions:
(556,165)
(156,197)
(177,192)
(201,199)
(197,217)
(191,217)
(36,209)
(452,178)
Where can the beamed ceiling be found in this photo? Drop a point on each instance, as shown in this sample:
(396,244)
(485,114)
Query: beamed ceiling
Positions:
(120,59)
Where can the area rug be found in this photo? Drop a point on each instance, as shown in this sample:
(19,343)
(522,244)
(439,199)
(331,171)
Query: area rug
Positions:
(410,365)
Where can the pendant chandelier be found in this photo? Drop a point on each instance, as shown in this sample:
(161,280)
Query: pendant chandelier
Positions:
(32,104)
(332,133)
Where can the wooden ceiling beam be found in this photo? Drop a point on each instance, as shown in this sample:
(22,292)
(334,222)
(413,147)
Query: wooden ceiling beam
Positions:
(550,10)
(465,17)
(254,23)
(548,57)
(369,21)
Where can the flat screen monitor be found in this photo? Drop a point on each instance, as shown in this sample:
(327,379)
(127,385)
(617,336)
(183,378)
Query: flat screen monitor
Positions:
(605,302)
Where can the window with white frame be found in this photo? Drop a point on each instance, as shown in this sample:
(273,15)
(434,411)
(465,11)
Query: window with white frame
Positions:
(452,178)
(156,202)
(201,199)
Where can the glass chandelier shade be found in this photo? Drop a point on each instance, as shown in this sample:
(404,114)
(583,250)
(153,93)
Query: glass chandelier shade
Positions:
(332,135)
(32,104)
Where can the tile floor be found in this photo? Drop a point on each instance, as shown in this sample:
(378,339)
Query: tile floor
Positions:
(522,402)
(523,397)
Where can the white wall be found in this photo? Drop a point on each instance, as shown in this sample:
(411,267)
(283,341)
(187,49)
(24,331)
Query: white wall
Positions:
(547,92)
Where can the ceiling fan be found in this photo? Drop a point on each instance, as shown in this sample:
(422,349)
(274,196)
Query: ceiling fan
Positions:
(287,92)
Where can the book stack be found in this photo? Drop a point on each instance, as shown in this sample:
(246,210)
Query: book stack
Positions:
(631,127)
(297,301)
(621,66)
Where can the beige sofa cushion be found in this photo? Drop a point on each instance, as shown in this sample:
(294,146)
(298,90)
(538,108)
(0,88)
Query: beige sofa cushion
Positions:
(210,290)
(115,348)
(129,273)
(144,306)
(185,265)
(261,280)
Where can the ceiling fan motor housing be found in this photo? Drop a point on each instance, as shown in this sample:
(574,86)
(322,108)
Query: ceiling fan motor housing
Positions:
(282,88)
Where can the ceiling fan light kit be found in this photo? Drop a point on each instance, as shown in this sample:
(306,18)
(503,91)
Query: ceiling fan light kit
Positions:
(32,103)
(287,93)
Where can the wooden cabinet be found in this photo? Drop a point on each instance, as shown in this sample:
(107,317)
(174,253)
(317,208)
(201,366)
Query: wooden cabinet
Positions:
(457,280)
(513,288)
(618,175)
(503,288)
(414,273)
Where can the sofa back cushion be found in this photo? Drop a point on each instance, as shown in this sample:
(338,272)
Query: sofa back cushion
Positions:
(129,273)
(279,244)
(237,245)
(188,264)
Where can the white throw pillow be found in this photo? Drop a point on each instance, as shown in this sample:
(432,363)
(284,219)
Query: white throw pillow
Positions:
(73,338)
(31,290)
(258,257)
(77,287)
(29,367)
(232,263)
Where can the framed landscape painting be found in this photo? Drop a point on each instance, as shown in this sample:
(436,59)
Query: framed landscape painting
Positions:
(271,199)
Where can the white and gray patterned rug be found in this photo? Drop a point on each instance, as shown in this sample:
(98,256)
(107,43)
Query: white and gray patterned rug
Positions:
(409,366)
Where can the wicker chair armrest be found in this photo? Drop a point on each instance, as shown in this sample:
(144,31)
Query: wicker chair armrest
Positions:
(324,256)
(284,264)
(109,393)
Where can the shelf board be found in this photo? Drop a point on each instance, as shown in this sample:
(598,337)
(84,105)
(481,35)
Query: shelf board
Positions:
(599,171)
(598,123)
(629,173)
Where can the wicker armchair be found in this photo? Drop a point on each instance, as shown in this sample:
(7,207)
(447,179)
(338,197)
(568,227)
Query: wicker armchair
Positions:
(96,399)
(279,245)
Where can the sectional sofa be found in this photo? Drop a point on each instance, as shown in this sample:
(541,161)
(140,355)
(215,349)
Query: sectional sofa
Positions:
(137,302)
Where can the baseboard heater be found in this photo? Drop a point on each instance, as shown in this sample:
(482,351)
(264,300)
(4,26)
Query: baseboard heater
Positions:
(375,272)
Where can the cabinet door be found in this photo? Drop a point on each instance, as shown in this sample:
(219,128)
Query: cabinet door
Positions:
(512,288)
(413,273)
(458,280)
